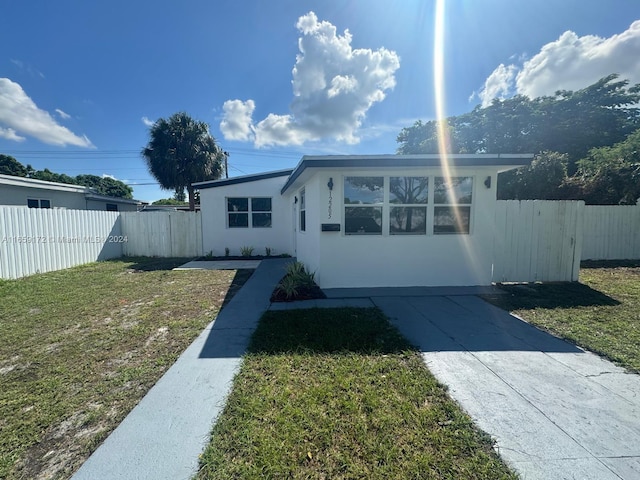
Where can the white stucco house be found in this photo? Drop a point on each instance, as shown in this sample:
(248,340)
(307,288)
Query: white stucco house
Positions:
(366,220)
(32,193)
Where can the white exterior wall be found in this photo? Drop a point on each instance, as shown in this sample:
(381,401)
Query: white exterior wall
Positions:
(308,242)
(341,260)
(216,235)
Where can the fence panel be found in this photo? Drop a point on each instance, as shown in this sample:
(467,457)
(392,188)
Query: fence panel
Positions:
(611,232)
(34,240)
(537,241)
(162,234)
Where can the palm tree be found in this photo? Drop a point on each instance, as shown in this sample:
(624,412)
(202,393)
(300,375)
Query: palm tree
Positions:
(181,151)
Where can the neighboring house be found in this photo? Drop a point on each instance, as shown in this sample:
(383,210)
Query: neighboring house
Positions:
(32,193)
(366,220)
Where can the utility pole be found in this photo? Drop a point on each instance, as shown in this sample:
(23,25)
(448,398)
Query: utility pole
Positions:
(226,164)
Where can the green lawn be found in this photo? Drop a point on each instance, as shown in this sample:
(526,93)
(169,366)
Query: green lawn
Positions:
(80,347)
(601,313)
(336,394)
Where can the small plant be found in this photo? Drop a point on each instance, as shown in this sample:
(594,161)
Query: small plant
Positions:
(288,286)
(246,251)
(226,251)
(267,251)
(209,254)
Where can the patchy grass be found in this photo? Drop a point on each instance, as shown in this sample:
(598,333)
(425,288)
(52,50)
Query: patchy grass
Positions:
(340,394)
(80,347)
(601,313)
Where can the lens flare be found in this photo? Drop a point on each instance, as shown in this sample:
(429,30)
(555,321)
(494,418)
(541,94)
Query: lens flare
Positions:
(444,143)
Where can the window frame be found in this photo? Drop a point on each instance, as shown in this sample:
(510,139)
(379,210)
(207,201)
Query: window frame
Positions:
(454,205)
(249,212)
(38,202)
(302,211)
(429,206)
(377,205)
(424,206)
(114,207)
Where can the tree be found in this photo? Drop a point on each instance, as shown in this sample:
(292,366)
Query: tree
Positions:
(542,180)
(181,151)
(611,175)
(169,201)
(105,186)
(11,166)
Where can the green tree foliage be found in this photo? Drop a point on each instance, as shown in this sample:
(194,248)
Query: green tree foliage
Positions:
(181,151)
(105,186)
(543,179)
(11,166)
(569,123)
(169,201)
(611,175)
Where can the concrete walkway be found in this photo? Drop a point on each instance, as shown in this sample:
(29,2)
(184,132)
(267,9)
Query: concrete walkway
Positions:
(556,411)
(164,434)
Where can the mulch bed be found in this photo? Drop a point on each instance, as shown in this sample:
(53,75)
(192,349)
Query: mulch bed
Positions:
(306,293)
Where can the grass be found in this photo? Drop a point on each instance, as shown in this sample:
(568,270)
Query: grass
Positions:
(601,313)
(80,347)
(340,394)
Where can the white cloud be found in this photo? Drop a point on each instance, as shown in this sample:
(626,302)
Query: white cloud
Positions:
(10,134)
(571,63)
(20,115)
(499,84)
(62,114)
(334,85)
(147,122)
(237,122)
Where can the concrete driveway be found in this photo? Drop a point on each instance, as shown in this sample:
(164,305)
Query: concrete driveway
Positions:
(556,411)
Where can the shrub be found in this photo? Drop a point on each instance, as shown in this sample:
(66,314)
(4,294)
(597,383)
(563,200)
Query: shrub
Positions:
(246,251)
(267,251)
(226,251)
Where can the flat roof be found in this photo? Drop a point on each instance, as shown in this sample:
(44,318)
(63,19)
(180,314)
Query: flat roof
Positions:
(89,193)
(242,179)
(420,160)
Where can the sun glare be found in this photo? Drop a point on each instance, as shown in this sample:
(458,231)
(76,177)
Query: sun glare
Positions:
(444,145)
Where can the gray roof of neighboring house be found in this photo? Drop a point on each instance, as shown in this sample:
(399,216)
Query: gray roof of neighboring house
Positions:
(88,192)
(243,179)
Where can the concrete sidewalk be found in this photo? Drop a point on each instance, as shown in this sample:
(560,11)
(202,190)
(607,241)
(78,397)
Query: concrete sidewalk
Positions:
(164,434)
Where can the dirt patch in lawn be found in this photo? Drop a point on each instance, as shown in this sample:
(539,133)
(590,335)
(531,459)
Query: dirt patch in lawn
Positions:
(80,347)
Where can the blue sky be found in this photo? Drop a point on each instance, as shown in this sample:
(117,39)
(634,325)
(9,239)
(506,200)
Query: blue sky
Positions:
(80,81)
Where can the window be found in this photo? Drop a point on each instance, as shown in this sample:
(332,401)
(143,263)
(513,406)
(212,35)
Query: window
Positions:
(303,212)
(112,207)
(452,210)
(38,203)
(408,199)
(261,212)
(363,199)
(239,209)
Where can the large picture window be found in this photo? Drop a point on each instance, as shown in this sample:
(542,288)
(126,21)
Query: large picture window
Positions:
(452,204)
(363,200)
(408,198)
(241,209)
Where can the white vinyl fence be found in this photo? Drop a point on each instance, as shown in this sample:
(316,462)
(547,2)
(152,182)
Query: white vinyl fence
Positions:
(162,234)
(34,240)
(611,232)
(534,240)
(537,241)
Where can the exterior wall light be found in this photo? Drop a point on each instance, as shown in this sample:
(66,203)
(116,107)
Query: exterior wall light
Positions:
(487,182)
